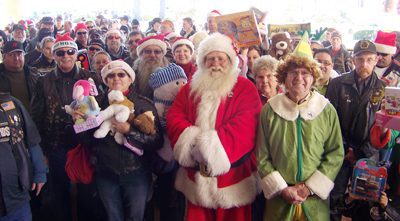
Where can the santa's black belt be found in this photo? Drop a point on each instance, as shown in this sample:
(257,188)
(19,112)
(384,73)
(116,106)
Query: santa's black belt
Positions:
(203,168)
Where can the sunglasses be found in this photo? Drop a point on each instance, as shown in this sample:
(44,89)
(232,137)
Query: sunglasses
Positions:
(61,53)
(148,51)
(113,37)
(82,33)
(90,27)
(94,49)
(119,75)
(382,54)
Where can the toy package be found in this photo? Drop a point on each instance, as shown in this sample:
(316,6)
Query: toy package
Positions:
(368,180)
(241,27)
(390,116)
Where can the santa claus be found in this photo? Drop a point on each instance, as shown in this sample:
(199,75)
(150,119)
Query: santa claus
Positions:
(212,127)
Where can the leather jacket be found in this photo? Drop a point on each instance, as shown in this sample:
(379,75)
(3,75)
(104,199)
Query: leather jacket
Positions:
(356,111)
(52,93)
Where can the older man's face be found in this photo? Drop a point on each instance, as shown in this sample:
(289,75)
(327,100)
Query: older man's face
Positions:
(384,60)
(14,61)
(82,36)
(65,58)
(114,42)
(19,35)
(152,54)
(217,62)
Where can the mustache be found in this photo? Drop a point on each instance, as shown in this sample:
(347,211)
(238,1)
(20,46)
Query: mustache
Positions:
(216,69)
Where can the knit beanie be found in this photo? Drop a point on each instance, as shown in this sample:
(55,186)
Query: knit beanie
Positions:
(64,41)
(165,75)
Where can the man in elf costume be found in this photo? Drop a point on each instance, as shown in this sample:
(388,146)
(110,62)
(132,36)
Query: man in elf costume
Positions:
(212,127)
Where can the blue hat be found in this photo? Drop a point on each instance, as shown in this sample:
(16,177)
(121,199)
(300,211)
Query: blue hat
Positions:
(165,75)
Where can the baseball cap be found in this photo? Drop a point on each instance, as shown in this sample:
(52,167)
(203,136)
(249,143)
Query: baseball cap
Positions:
(12,46)
(364,46)
(47,20)
(18,26)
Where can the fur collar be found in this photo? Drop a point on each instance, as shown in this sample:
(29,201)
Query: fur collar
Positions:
(289,110)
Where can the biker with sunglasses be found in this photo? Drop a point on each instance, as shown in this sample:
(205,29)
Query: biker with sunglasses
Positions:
(53,91)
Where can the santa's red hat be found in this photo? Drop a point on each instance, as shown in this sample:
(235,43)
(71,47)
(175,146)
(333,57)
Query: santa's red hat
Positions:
(182,41)
(157,40)
(385,42)
(213,13)
(80,26)
(64,41)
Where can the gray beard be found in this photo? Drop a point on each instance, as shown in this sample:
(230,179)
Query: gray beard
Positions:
(144,70)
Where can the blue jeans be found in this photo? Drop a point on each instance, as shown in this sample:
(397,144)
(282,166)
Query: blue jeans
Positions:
(125,196)
(21,214)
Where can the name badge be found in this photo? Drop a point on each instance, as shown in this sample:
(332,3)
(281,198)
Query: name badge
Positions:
(9,105)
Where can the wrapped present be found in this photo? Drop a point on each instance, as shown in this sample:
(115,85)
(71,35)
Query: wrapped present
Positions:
(368,180)
(383,119)
(392,100)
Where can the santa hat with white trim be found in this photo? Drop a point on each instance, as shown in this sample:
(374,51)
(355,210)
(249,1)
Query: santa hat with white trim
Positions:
(385,42)
(214,13)
(217,42)
(182,41)
(157,40)
(64,41)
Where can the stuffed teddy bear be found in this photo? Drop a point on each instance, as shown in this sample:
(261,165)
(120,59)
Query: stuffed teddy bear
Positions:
(145,122)
(121,108)
(280,45)
(83,102)
(166,83)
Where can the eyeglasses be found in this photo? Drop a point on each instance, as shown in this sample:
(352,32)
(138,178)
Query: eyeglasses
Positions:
(156,52)
(119,75)
(94,49)
(90,27)
(61,53)
(130,42)
(382,54)
(113,37)
(325,63)
(82,33)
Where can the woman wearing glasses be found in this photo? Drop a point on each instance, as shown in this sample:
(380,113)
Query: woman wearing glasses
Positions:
(53,91)
(123,175)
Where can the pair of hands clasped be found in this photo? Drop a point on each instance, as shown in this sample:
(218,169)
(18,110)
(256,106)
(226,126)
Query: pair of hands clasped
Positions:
(296,194)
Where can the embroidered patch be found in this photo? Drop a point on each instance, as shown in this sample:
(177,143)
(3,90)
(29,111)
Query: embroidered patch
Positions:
(4,132)
(9,105)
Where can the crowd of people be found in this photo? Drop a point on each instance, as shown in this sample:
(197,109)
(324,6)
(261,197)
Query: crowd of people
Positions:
(249,136)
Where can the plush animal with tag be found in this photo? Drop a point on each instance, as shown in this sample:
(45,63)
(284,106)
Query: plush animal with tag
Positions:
(121,108)
(280,45)
(145,123)
(83,102)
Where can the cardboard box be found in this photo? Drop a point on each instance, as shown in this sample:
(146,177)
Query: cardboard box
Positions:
(383,119)
(293,29)
(241,27)
(88,124)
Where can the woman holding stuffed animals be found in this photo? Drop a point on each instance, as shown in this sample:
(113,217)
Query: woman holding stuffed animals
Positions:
(122,169)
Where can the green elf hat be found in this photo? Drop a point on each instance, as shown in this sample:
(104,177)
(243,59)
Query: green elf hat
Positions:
(303,49)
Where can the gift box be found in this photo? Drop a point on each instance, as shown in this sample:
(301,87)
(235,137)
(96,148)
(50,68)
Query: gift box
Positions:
(368,180)
(90,123)
(392,100)
(383,119)
(241,27)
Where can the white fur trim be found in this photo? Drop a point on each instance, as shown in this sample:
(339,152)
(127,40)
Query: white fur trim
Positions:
(149,42)
(273,184)
(183,147)
(289,110)
(205,192)
(386,49)
(212,152)
(320,184)
(183,41)
(216,42)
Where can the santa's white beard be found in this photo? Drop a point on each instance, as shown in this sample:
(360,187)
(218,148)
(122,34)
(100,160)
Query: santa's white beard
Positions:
(214,81)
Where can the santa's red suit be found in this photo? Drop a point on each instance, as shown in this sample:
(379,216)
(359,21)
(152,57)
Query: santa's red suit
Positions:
(223,135)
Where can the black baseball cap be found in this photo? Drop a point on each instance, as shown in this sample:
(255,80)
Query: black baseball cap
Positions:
(12,46)
(97,42)
(18,26)
(364,46)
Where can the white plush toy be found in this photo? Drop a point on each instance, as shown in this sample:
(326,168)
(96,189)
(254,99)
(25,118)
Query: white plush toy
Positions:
(166,83)
(121,108)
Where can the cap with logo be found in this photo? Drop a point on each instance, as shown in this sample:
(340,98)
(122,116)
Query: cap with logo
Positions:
(364,46)
(12,46)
